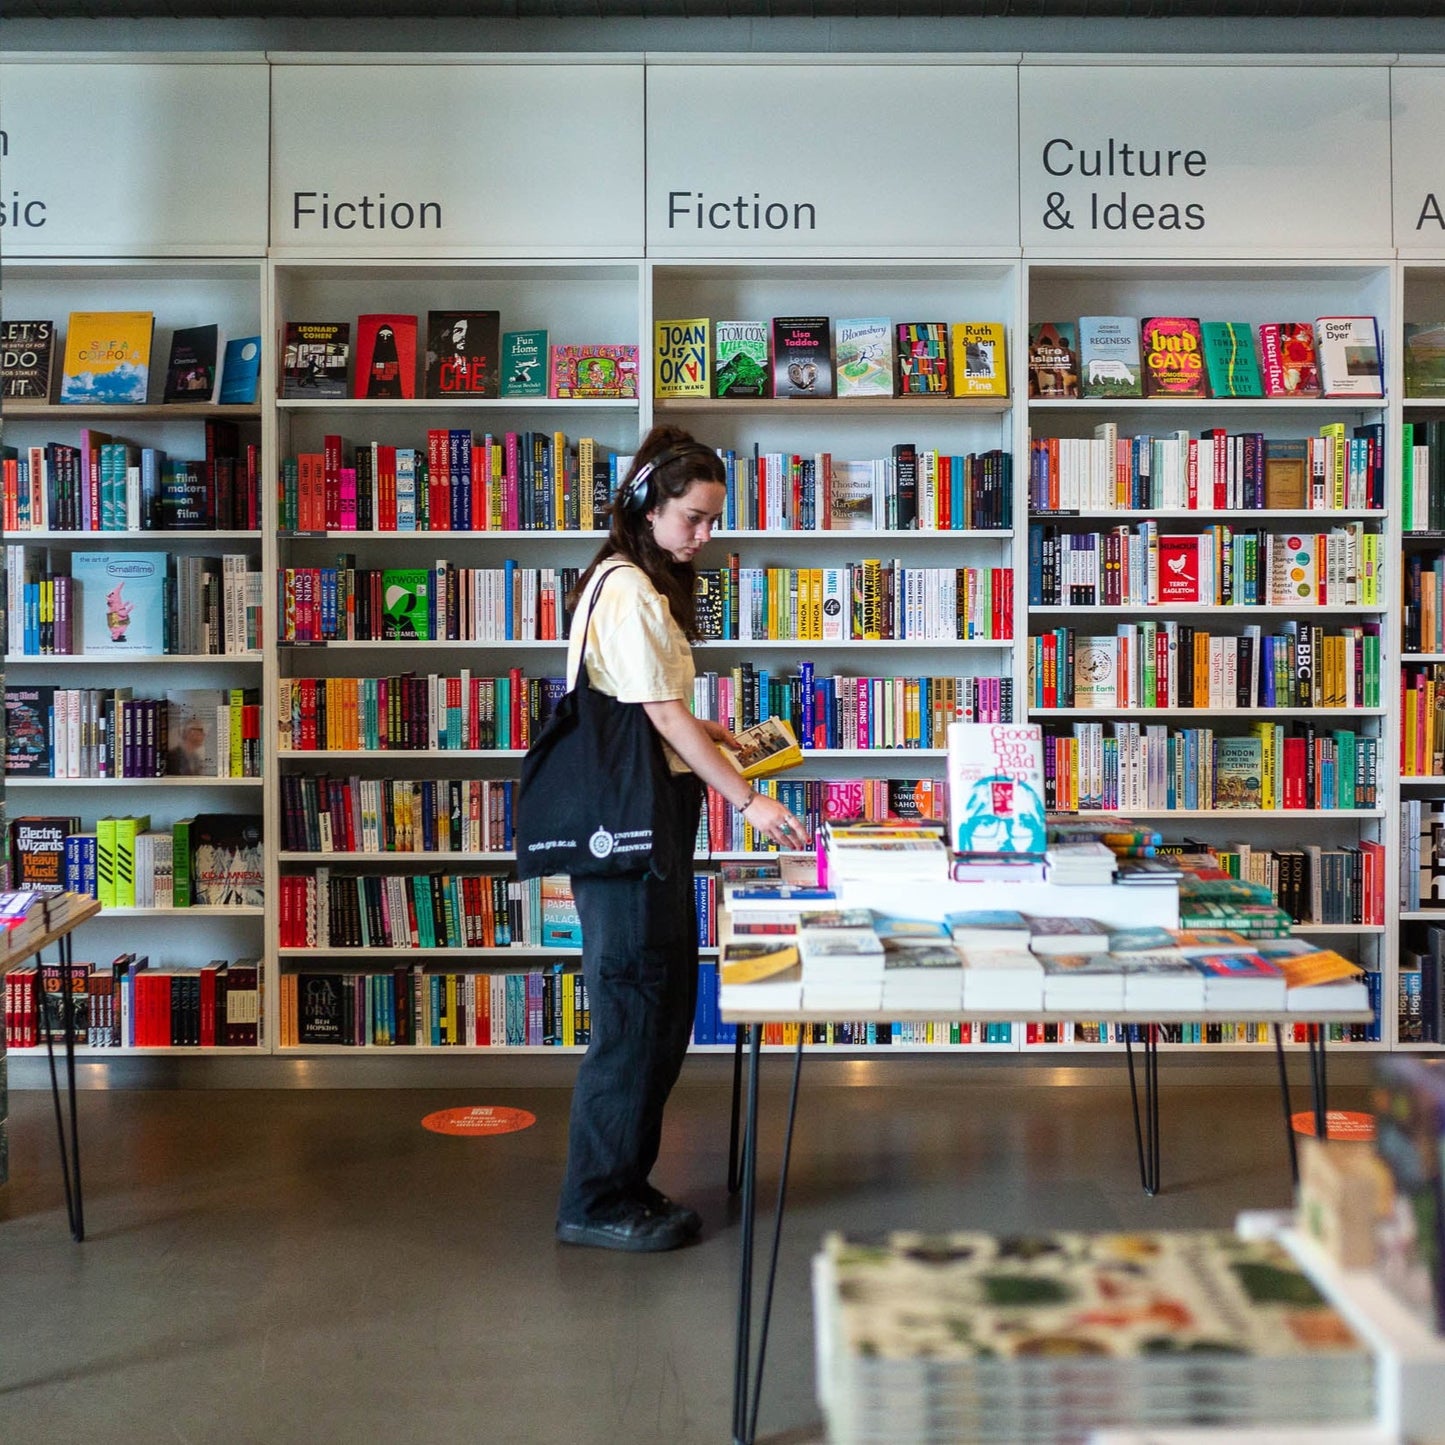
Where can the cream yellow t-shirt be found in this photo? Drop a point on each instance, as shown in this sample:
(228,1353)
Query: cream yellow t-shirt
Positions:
(636,652)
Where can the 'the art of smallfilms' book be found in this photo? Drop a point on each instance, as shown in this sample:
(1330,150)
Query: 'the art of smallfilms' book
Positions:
(682,353)
(122,601)
(996,788)
(191,369)
(1172,350)
(463,353)
(228,870)
(385,357)
(27,359)
(1109,356)
(1349,356)
(314,356)
(107,357)
(863,353)
(741,350)
(524,363)
(802,357)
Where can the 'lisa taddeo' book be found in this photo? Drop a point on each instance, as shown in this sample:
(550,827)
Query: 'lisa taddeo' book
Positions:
(314,357)
(27,359)
(996,789)
(385,357)
(191,369)
(107,357)
(681,356)
(463,353)
(802,357)
(1172,351)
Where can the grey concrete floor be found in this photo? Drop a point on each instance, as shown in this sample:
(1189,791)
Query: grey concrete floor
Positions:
(312,1266)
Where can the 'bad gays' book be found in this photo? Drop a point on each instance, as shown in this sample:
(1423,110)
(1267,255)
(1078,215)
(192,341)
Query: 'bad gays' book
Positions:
(385,357)
(27,359)
(463,353)
(1173,353)
(802,357)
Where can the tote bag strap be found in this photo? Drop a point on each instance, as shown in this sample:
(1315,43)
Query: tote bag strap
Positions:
(582,680)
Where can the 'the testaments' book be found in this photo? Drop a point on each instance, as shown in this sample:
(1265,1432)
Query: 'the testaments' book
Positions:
(1229,359)
(996,788)
(107,357)
(122,601)
(1109,356)
(770,746)
(463,353)
(404,603)
(191,370)
(385,357)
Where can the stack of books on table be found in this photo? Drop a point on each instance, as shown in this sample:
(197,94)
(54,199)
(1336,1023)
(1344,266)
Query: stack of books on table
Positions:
(866,852)
(973,1337)
(28,914)
(1083,862)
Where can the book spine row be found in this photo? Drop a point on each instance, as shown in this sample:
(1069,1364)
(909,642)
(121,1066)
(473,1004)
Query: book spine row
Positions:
(1171,664)
(1422,458)
(40,608)
(1212,1031)
(449,603)
(1223,566)
(1423,621)
(396,815)
(1422,720)
(1316,883)
(1421,997)
(431,713)
(852,712)
(1099,767)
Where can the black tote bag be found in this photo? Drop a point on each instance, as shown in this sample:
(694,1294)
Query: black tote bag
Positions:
(594,785)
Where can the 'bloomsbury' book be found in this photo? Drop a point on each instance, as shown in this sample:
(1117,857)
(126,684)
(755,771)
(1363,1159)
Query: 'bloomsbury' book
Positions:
(107,357)
(863,353)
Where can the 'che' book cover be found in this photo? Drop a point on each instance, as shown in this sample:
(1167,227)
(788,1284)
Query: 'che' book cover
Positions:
(463,353)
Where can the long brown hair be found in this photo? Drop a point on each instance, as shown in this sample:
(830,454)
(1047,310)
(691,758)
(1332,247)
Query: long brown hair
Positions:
(670,461)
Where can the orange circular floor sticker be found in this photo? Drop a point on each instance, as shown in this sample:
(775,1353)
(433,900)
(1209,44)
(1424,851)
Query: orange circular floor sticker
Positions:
(1342,1124)
(479,1120)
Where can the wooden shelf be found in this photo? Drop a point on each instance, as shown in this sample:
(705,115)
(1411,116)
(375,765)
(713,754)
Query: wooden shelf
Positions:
(120,412)
(914,406)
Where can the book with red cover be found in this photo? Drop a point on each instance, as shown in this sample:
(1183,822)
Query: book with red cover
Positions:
(385,357)
(1288,362)
(1178,569)
(1173,355)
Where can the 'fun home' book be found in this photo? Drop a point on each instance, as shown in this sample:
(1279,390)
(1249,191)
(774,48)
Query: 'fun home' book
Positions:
(1349,356)
(1173,356)
(996,788)
(980,359)
(107,357)
(863,356)
(524,363)
(314,355)
(385,357)
(240,371)
(191,370)
(27,359)
(1229,360)
(682,351)
(593,373)
(1289,364)
(1053,359)
(1109,356)
(742,359)
(802,356)
(463,353)
(923,358)
(122,601)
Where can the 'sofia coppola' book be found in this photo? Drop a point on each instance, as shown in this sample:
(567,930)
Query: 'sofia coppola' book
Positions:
(107,357)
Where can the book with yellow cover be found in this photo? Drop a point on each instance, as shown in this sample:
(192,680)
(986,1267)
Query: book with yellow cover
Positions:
(682,350)
(107,357)
(768,747)
(980,359)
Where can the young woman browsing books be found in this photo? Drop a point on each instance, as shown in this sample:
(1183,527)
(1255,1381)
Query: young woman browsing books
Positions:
(639,954)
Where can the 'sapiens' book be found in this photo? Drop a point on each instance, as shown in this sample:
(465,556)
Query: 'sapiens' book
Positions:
(996,788)
(1109,362)
(1179,569)
(593,373)
(741,351)
(227,869)
(1096,672)
(28,750)
(314,357)
(404,603)
(1424,359)
(1239,773)
(385,357)
(1173,357)
(802,357)
(191,369)
(682,353)
(863,356)
(37,852)
(122,601)
(240,371)
(107,357)
(768,747)
(463,353)
(1289,364)
(923,358)
(1053,359)
(979,358)
(1349,356)
(1229,360)
(27,359)
(524,363)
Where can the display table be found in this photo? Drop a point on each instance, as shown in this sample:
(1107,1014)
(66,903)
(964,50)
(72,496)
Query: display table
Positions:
(18,958)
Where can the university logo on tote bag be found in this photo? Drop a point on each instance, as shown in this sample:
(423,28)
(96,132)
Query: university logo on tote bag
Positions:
(593,785)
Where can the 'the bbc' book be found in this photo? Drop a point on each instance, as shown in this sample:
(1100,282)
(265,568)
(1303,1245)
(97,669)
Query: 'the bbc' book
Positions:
(996,788)
(463,353)
(107,357)
(802,357)
(27,359)
(385,357)
(741,351)
(122,601)
(314,357)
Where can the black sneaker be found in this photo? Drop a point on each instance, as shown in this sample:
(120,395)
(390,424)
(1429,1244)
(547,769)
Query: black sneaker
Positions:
(638,1231)
(689,1220)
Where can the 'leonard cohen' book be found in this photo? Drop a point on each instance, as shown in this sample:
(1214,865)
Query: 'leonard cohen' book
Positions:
(768,747)
(741,352)
(863,356)
(1229,360)
(979,359)
(1053,360)
(1172,352)
(226,863)
(996,788)
(385,357)
(107,357)
(802,357)
(1349,356)
(463,353)
(524,363)
(191,369)
(1109,362)
(314,356)
(681,356)
(27,359)
(122,601)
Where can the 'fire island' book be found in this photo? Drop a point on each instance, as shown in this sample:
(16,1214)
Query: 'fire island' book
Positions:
(385,357)
(107,357)
(742,359)
(463,353)
(802,357)
(122,601)
(681,353)
(1173,353)
(1053,360)
(1109,356)
(996,788)
(27,359)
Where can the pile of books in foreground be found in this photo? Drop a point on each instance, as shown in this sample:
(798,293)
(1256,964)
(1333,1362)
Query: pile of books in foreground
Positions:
(28,914)
(969,1337)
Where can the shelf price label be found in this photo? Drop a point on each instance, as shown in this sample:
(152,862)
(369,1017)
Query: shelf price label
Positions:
(121,158)
(831,160)
(426,159)
(1204,159)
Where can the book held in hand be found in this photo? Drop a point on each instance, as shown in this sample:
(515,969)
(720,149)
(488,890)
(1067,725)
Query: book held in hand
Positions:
(191,369)
(768,747)
(1349,356)
(463,353)
(27,359)
(107,357)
